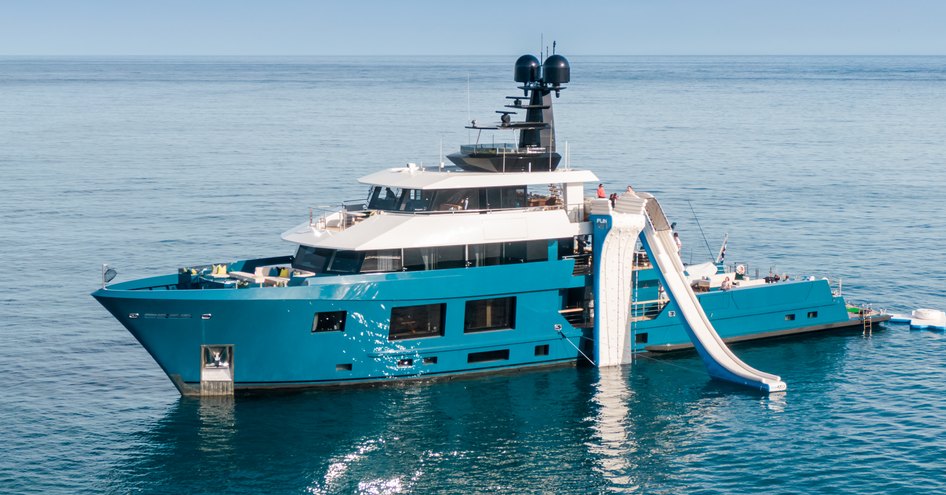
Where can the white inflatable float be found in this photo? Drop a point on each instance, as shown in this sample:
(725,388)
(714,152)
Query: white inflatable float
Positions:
(928,318)
(922,318)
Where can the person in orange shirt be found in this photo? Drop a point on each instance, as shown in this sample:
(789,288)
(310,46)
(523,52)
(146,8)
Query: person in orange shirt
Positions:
(601,193)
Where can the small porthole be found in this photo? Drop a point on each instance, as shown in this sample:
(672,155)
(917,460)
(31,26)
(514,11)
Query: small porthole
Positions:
(812,314)
(430,360)
(790,317)
(640,338)
(405,363)
(542,350)
(343,367)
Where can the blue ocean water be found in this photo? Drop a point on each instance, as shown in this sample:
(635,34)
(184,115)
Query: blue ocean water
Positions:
(830,166)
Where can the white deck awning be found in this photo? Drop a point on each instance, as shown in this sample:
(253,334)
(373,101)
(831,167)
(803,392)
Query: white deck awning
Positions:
(452,178)
(400,230)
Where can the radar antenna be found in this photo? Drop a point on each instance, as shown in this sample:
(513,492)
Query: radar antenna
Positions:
(536,140)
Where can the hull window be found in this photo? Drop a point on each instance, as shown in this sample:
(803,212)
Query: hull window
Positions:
(790,317)
(640,338)
(487,356)
(430,360)
(329,321)
(343,367)
(812,314)
(542,350)
(490,314)
(413,322)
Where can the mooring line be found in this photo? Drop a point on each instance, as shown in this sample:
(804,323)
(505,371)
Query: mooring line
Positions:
(670,364)
(562,333)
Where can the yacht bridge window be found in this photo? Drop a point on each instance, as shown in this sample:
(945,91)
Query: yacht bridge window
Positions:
(311,259)
(412,200)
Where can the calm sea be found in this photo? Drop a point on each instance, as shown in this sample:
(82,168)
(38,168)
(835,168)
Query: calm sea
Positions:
(825,166)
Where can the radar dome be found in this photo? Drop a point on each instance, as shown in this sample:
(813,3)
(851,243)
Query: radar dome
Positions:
(527,69)
(556,70)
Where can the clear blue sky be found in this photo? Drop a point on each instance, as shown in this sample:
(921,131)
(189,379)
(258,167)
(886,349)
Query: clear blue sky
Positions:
(447,27)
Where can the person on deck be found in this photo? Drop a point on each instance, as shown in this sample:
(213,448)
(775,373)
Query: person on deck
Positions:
(726,285)
(677,241)
(601,193)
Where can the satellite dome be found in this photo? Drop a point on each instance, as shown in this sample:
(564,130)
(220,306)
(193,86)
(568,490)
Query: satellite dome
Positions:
(556,70)
(527,69)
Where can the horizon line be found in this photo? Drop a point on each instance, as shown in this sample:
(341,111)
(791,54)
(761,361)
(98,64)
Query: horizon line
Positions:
(365,55)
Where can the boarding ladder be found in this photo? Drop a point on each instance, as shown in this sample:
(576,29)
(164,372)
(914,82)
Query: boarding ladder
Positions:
(867,321)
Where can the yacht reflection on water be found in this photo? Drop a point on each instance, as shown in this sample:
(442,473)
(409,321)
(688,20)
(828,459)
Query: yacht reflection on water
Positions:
(616,447)
(639,428)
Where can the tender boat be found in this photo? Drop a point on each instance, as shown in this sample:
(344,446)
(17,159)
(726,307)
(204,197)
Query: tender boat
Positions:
(492,264)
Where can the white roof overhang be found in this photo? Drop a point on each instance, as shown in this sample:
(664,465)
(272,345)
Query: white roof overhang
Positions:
(400,230)
(416,178)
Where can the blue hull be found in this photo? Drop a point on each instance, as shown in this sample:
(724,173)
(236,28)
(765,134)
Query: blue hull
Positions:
(273,345)
(745,314)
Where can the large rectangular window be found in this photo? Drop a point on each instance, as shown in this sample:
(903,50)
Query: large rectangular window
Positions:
(503,197)
(490,314)
(346,262)
(415,200)
(414,322)
(485,254)
(383,260)
(537,250)
(451,257)
(420,259)
(434,258)
(311,259)
(525,251)
(456,199)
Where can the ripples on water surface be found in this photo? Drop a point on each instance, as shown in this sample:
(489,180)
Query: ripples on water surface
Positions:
(831,166)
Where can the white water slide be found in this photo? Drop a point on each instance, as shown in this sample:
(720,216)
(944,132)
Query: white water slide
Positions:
(720,362)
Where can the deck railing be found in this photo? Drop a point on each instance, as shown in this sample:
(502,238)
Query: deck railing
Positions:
(647,310)
(575,316)
(352,214)
(582,264)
